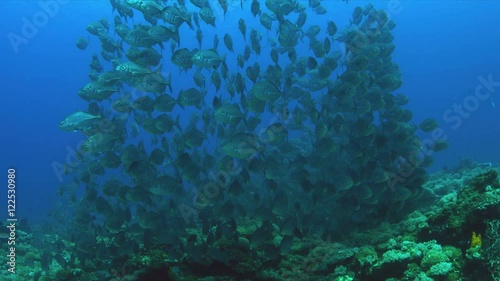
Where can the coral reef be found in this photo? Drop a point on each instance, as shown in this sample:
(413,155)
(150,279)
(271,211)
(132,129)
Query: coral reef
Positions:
(457,238)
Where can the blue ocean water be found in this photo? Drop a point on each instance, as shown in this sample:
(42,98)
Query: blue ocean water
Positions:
(442,48)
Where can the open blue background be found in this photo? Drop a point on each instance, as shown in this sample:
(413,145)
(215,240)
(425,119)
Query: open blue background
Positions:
(441,47)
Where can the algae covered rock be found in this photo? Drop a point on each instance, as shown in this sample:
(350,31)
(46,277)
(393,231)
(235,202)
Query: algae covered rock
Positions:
(475,203)
(481,181)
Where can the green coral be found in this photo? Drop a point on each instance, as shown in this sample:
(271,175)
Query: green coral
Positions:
(395,256)
(412,271)
(419,261)
(63,274)
(344,278)
(453,253)
(433,257)
(423,277)
(442,268)
(491,254)
(239,255)
(414,222)
(458,214)
(366,256)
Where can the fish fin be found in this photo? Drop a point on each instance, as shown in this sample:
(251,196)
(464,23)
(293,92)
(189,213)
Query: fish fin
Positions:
(224,59)
(371,81)
(169,82)
(158,69)
(177,124)
(245,122)
(182,106)
(120,47)
(188,21)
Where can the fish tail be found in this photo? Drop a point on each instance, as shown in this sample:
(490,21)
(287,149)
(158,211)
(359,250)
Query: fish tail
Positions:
(224,59)
(189,23)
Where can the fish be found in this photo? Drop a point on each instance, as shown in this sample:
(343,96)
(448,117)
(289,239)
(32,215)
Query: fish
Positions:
(428,125)
(164,103)
(266,91)
(239,149)
(111,187)
(255,8)
(164,123)
(144,56)
(82,43)
(228,41)
(193,137)
(301,20)
(122,30)
(148,8)
(165,185)
(207,59)
(182,58)
(96,91)
(110,160)
(281,7)
(162,33)
(302,123)
(207,15)
(122,104)
(144,103)
(266,21)
(99,142)
(153,82)
(128,70)
(96,28)
(276,133)
(199,37)
(388,81)
(139,37)
(199,79)
(331,28)
(78,121)
(216,43)
(312,31)
(243,28)
(191,97)
(174,16)
(229,114)
(216,80)
(223,4)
